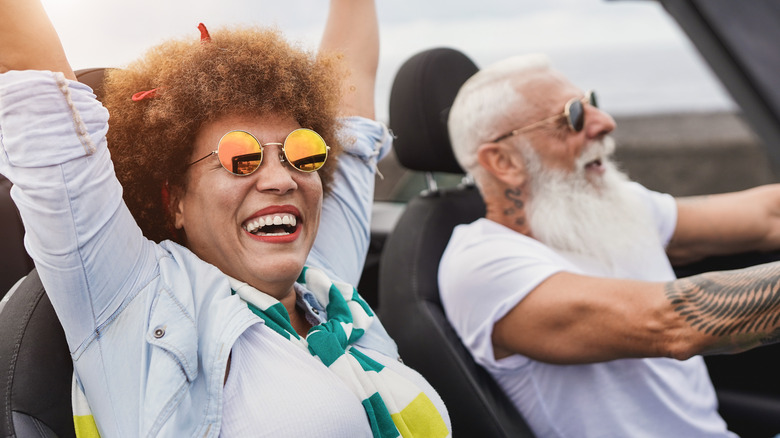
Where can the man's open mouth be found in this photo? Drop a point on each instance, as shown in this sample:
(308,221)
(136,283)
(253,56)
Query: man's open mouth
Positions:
(593,164)
(280,224)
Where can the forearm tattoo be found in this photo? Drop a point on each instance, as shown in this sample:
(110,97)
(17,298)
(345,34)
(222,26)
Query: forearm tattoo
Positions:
(742,305)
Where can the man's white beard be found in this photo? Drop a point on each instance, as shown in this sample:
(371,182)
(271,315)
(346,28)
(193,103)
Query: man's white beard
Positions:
(596,216)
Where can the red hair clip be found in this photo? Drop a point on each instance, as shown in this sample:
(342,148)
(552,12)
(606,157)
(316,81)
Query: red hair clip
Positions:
(141,95)
(204,33)
(151,94)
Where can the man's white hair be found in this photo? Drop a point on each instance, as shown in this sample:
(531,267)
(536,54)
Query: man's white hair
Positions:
(484,103)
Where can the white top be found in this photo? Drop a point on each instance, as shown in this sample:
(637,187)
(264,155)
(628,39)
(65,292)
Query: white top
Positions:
(276,389)
(488,268)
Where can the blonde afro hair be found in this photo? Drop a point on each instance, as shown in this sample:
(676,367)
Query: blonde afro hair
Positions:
(237,71)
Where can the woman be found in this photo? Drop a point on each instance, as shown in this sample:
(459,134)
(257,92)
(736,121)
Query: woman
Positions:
(247,329)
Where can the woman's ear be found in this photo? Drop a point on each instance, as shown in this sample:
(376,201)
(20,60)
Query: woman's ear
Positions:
(503,162)
(175,204)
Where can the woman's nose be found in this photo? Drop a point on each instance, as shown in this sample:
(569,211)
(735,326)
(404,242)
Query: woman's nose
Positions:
(274,174)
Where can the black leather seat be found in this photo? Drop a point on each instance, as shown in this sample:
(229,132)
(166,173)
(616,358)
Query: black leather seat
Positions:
(13,258)
(34,358)
(36,364)
(409,304)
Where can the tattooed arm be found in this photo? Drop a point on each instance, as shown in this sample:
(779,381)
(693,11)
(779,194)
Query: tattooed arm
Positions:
(726,224)
(572,318)
(739,310)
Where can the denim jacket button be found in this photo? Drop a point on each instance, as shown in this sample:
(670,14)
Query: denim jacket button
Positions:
(159,333)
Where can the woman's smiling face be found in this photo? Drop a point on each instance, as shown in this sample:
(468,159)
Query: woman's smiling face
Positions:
(257,228)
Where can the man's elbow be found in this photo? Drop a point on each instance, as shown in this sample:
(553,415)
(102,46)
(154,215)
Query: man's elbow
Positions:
(679,343)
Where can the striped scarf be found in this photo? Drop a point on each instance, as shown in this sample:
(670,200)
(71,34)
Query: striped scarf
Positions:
(395,407)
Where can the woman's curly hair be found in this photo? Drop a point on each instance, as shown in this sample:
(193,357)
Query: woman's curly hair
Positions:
(239,71)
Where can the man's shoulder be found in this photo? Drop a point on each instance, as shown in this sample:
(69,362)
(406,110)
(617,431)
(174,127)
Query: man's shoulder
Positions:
(484,233)
(484,247)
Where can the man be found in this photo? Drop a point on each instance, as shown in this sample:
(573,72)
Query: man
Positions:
(564,291)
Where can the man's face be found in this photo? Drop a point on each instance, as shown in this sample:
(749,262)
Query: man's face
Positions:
(557,145)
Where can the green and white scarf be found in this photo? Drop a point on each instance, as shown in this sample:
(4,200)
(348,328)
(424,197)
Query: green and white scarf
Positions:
(394,405)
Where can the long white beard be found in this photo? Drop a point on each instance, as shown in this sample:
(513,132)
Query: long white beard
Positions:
(598,217)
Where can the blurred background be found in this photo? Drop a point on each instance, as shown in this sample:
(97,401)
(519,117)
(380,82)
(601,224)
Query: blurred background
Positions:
(630,51)
(677,126)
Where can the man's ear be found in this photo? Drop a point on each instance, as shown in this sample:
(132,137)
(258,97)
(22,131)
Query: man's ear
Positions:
(501,161)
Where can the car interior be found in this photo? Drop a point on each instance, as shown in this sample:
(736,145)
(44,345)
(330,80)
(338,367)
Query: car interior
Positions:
(409,305)
(37,367)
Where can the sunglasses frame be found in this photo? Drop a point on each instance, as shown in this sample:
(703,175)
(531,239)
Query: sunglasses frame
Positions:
(589,98)
(283,156)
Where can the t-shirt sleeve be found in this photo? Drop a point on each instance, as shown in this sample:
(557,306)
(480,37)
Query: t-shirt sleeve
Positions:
(485,272)
(663,210)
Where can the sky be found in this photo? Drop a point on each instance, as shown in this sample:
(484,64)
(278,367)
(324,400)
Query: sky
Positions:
(631,52)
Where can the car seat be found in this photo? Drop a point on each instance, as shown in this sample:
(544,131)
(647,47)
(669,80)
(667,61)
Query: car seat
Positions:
(409,304)
(13,258)
(36,365)
(34,358)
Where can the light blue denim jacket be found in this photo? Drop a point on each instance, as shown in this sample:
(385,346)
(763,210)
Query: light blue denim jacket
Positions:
(150,326)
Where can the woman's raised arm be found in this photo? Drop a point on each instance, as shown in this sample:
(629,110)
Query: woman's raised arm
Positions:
(352,29)
(344,235)
(28,40)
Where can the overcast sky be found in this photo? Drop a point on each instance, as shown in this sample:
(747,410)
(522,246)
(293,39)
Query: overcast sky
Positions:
(632,52)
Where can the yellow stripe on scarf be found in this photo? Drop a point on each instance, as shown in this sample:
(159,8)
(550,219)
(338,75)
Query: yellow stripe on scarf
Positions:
(85,426)
(420,419)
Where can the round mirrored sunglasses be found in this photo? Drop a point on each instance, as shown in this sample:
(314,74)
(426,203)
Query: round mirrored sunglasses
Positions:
(241,153)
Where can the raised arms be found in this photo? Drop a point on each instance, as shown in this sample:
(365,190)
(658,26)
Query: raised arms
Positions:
(352,30)
(343,237)
(28,40)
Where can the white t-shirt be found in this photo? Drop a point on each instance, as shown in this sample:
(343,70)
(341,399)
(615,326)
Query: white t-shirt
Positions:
(487,269)
(276,389)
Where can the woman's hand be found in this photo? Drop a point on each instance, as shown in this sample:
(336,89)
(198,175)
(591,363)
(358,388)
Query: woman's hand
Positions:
(352,30)
(28,40)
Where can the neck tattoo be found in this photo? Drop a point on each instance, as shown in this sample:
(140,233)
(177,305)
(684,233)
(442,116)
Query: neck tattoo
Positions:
(515,198)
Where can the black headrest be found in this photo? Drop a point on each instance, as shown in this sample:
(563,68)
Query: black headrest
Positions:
(422,93)
(94,78)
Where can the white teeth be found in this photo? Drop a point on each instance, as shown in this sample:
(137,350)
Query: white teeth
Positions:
(256,224)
